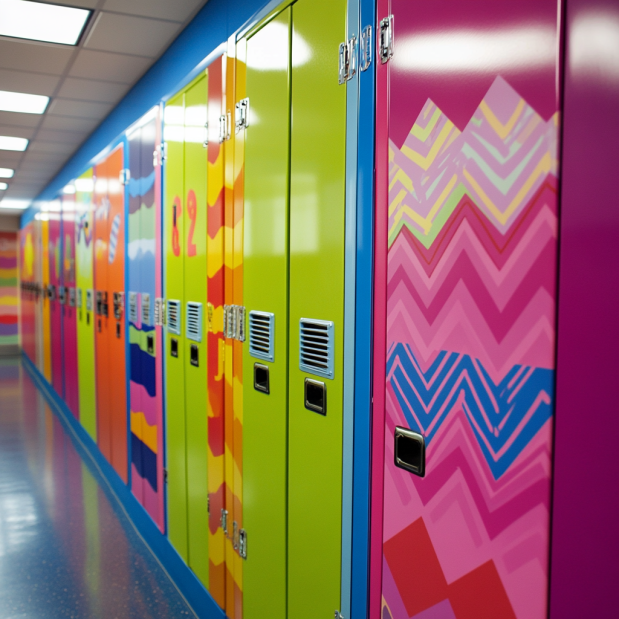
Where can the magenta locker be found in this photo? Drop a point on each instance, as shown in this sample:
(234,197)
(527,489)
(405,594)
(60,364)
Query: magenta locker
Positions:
(57,294)
(69,310)
(466,259)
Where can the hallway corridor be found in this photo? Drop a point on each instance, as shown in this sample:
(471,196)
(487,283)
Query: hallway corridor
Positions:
(66,547)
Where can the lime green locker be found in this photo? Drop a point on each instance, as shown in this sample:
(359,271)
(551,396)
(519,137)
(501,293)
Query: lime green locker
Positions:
(265,359)
(195,358)
(84,244)
(317,244)
(174,345)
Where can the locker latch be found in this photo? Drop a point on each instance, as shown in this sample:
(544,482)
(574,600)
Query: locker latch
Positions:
(240,541)
(119,304)
(234,322)
(348,60)
(338,615)
(61,295)
(385,45)
(71,297)
(159,312)
(241,119)
(224,127)
(124,176)
(160,154)
(365,48)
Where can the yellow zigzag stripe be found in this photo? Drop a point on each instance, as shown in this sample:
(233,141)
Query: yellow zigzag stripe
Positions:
(422,133)
(501,130)
(425,162)
(543,167)
(146,433)
(215,170)
(424,223)
(215,259)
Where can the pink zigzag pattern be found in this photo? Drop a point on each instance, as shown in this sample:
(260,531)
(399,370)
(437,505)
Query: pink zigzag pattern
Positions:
(471,272)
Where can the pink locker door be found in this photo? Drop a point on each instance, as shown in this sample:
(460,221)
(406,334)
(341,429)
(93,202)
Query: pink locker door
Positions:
(55,280)
(69,309)
(466,250)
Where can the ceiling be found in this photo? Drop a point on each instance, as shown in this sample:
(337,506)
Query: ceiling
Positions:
(122,40)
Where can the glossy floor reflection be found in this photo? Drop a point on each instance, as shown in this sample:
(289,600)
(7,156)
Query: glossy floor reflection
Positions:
(66,548)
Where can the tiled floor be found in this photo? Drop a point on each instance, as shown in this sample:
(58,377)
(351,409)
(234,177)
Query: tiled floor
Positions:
(66,548)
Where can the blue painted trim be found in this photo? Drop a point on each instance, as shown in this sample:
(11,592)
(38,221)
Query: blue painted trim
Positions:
(185,580)
(352,109)
(363,337)
(186,57)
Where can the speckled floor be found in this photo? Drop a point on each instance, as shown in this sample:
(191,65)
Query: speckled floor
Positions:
(66,548)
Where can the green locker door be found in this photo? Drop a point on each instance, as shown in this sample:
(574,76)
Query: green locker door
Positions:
(317,217)
(174,344)
(194,326)
(265,370)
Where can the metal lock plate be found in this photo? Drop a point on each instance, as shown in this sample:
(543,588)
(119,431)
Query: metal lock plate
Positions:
(385,44)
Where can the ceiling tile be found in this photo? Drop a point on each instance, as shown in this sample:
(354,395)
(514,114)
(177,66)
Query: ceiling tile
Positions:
(18,132)
(67,137)
(90,90)
(179,10)
(33,83)
(52,147)
(70,124)
(19,120)
(81,4)
(130,35)
(110,67)
(80,109)
(32,56)
(10,159)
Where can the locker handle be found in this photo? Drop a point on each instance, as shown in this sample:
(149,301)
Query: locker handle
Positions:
(315,396)
(410,451)
(173,347)
(261,378)
(194,358)
(150,344)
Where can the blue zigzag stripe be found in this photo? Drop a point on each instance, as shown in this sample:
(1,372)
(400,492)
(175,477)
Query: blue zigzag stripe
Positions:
(479,393)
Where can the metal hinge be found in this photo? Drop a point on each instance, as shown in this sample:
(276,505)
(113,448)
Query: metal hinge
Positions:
(365,48)
(242,543)
(160,154)
(205,143)
(241,115)
(348,60)
(234,322)
(224,521)
(385,44)
(160,312)
(338,615)
(165,476)
(124,176)
(224,127)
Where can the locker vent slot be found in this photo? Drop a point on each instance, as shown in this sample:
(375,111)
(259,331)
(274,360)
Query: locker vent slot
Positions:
(145,308)
(316,347)
(194,321)
(174,317)
(133,307)
(261,335)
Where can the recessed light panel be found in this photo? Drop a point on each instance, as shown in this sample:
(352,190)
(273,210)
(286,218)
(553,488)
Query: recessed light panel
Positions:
(22,102)
(42,22)
(6,173)
(11,143)
(3,186)
(20,204)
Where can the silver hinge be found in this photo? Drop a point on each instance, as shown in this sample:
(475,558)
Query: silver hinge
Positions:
(365,48)
(338,615)
(348,60)
(160,312)
(235,535)
(224,521)
(160,154)
(385,44)
(124,176)
(242,544)
(234,322)
(205,143)
(241,119)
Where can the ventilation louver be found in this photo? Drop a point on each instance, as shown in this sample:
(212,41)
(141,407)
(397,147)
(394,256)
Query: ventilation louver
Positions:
(261,335)
(133,307)
(145,308)
(174,317)
(316,347)
(194,321)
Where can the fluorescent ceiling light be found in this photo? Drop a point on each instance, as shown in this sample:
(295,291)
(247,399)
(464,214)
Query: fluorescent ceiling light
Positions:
(11,143)
(69,189)
(22,102)
(6,173)
(20,204)
(84,184)
(42,22)
(3,186)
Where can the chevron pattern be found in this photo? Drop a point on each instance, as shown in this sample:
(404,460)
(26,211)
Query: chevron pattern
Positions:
(470,361)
